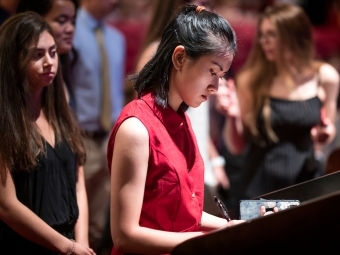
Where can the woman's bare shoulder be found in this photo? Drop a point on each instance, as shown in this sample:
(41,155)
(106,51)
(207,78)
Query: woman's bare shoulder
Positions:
(132,130)
(328,74)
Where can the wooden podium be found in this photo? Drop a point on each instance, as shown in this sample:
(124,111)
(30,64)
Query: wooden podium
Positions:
(312,227)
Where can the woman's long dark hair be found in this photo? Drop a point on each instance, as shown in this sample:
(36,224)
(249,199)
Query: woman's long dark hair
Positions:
(201,33)
(67,60)
(20,141)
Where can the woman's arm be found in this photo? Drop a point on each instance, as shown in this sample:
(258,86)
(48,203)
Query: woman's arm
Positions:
(81,227)
(29,225)
(128,177)
(218,165)
(210,222)
(329,85)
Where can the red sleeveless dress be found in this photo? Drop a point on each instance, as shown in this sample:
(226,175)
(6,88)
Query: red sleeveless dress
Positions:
(173,198)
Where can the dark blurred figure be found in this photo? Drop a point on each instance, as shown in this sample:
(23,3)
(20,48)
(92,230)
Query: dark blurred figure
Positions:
(132,18)
(324,15)
(317,10)
(7,8)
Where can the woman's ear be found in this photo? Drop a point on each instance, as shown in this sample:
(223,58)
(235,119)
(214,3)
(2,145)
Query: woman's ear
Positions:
(178,57)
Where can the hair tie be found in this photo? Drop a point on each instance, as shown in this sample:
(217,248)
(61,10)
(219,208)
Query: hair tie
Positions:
(200,8)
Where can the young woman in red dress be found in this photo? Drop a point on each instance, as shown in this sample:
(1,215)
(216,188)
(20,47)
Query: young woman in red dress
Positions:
(156,168)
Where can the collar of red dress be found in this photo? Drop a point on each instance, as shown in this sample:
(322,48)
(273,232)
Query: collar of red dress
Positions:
(171,119)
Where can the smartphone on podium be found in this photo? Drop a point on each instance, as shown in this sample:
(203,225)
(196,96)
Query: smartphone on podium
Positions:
(250,209)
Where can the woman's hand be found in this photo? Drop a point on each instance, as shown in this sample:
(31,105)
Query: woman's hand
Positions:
(323,132)
(226,99)
(221,177)
(82,250)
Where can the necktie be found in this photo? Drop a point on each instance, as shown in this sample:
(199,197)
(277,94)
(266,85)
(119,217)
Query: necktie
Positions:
(105,111)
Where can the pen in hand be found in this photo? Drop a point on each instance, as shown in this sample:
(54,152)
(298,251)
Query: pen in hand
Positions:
(222,208)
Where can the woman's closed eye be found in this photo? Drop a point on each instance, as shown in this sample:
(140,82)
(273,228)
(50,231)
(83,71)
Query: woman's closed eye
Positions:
(215,74)
(212,72)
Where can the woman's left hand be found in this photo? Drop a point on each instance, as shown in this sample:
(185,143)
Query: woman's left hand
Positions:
(321,133)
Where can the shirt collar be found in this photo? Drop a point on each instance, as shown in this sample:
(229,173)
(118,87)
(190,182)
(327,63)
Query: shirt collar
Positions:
(171,119)
(87,19)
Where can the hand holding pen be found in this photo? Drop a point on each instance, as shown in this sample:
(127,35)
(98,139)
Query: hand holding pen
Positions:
(222,208)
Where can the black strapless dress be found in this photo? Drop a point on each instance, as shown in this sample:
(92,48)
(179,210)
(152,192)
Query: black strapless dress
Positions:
(269,166)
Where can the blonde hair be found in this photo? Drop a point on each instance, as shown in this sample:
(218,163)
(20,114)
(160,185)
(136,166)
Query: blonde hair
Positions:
(294,32)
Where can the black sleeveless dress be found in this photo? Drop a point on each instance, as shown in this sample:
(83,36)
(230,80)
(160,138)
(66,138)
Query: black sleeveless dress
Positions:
(49,191)
(270,166)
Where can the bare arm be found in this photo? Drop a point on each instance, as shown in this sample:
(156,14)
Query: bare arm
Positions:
(232,137)
(128,177)
(329,81)
(81,227)
(211,222)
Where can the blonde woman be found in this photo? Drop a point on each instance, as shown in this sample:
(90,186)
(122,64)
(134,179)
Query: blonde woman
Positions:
(285,101)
